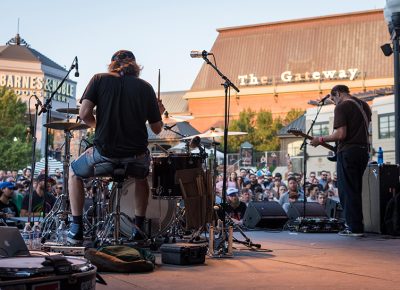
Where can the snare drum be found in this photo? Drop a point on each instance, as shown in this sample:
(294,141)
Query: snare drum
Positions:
(165,184)
(29,273)
(159,213)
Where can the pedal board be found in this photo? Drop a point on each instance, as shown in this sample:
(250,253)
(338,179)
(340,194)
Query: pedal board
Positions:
(63,249)
(316,225)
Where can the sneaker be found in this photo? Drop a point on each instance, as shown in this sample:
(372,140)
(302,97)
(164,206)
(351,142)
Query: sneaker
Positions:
(75,235)
(349,233)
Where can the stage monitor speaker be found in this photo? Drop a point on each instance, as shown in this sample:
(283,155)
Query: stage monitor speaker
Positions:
(265,214)
(313,210)
(379,185)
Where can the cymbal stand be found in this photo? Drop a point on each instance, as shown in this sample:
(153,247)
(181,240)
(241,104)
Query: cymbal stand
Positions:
(62,210)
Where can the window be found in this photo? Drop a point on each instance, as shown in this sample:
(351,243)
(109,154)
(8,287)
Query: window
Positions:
(320,129)
(386,126)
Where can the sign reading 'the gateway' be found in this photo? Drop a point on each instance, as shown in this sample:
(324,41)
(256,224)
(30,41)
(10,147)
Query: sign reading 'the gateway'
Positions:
(289,77)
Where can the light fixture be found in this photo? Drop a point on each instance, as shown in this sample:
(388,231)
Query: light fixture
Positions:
(387,49)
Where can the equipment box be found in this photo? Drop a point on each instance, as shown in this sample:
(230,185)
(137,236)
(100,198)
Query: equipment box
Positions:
(183,254)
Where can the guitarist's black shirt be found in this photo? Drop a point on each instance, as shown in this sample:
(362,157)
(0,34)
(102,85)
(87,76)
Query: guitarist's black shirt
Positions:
(348,114)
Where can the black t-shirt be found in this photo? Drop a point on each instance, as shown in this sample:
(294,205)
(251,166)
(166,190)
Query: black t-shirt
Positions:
(124,104)
(37,202)
(348,114)
(10,208)
(236,213)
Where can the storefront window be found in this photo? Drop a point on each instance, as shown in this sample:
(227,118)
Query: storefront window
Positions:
(386,126)
(320,129)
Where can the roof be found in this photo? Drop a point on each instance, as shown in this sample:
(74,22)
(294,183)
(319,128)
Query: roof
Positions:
(299,123)
(336,42)
(26,54)
(174,102)
(183,128)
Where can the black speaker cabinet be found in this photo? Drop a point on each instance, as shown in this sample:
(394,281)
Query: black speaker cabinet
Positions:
(313,210)
(379,184)
(265,214)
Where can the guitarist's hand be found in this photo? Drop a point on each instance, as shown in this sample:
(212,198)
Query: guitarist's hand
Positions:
(315,141)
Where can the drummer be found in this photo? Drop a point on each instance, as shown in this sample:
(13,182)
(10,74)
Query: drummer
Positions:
(124,103)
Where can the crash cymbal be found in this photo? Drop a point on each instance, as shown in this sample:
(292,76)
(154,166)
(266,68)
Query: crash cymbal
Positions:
(66,126)
(74,111)
(170,119)
(214,133)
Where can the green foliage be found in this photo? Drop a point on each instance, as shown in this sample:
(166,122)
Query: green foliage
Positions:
(15,149)
(292,115)
(262,129)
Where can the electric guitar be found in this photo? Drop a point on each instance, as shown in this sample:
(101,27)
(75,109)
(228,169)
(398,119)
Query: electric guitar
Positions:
(298,133)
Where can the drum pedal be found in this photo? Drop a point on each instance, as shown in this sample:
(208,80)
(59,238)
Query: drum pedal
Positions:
(67,250)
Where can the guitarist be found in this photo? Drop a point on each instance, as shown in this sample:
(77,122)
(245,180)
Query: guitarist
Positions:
(351,122)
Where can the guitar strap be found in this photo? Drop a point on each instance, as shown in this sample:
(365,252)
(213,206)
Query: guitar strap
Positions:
(366,123)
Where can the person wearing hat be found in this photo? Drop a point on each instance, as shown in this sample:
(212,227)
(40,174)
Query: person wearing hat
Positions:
(234,207)
(38,197)
(7,207)
(124,103)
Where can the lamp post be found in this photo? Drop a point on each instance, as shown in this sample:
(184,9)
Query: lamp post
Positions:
(392,17)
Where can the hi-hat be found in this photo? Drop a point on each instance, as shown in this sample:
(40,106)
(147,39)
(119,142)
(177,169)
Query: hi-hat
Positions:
(214,133)
(169,119)
(74,111)
(66,126)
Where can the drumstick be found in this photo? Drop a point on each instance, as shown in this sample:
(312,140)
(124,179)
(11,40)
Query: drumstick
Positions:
(159,77)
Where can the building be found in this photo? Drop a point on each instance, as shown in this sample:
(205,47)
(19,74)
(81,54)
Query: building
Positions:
(29,72)
(283,65)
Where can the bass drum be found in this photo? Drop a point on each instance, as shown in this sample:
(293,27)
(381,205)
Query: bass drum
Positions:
(159,213)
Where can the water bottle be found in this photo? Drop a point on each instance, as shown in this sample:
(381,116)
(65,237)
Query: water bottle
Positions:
(380,156)
(36,237)
(27,235)
(62,233)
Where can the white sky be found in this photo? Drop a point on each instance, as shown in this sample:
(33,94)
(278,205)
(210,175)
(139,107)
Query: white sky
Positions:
(160,33)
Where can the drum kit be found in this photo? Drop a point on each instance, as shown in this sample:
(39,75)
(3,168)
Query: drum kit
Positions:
(179,183)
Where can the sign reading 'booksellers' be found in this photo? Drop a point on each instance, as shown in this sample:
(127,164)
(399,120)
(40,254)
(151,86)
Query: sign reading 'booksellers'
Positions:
(291,77)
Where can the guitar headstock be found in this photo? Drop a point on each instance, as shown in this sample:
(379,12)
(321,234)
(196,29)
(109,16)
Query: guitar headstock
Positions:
(295,131)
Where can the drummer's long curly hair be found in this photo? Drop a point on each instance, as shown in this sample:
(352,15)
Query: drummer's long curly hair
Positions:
(126,66)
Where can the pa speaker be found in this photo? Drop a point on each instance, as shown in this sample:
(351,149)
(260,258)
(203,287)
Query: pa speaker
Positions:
(379,185)
(313,210)
(265,214)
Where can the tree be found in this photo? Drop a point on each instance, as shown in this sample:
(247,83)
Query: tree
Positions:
(15,148)
(261,127)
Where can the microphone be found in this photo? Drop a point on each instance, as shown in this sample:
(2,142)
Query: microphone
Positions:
(324,99)
(38,101)
(198,54)
(195,142)
(76,67)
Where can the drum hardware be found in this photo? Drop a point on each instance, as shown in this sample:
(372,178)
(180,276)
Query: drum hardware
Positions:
(120,172)
(61,209)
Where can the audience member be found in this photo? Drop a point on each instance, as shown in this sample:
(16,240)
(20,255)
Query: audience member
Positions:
(313,191)
(7,207)
(293,189)
(235,208)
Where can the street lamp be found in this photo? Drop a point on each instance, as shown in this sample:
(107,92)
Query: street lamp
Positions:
(392,17)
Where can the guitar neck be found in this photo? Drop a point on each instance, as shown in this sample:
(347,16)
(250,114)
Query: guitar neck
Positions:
(327,146)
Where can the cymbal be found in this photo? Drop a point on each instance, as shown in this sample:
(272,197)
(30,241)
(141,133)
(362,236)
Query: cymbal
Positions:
(66,126)
(168,119)
(215,132)
(74,111)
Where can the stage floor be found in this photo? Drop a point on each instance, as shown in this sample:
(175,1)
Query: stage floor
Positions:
(298,261)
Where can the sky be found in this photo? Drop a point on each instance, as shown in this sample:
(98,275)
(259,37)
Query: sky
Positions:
(161,33)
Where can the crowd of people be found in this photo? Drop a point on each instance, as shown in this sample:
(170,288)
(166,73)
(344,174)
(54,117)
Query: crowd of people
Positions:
(15,189)
(247,186)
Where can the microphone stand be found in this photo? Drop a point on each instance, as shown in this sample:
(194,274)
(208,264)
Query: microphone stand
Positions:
(33,160)
(304,147)
(47,109)
(227,85)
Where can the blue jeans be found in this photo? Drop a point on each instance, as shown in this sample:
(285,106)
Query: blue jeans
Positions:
(83,166)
